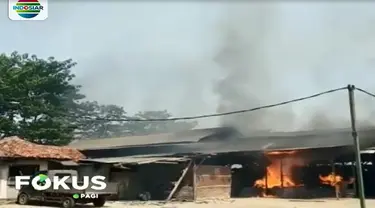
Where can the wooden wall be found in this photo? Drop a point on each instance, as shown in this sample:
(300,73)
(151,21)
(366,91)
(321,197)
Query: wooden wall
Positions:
(212,182)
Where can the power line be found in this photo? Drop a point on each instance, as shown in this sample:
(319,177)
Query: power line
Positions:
(226,113)
(366,92)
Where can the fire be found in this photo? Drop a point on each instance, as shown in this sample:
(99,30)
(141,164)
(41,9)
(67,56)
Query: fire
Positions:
(281,152)
(279,172)
(274,178)
(332,179)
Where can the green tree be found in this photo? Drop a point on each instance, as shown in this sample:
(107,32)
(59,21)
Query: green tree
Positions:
(151,127)
(39,103)
(91,127)
(36,97)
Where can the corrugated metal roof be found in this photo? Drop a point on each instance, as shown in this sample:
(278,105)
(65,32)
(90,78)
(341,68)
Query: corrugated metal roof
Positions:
(67,163)
(177,137)
(307,133)
(269,142)
(136,160)
(369,151)
(288,141)
(326,139)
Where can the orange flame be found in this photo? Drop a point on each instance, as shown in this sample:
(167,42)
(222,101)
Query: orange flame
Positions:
(332,179)
(278,175)
(281,152)
(274,178)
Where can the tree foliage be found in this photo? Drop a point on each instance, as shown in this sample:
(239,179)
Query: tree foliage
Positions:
(39,102)
(148,127)
(34,98)
(89,126)
(94,128)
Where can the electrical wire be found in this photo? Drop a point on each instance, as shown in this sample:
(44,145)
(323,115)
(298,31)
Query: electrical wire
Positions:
(366,92)
(225,113)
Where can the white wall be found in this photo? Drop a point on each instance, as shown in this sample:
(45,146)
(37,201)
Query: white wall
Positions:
(3,180)
(9,192)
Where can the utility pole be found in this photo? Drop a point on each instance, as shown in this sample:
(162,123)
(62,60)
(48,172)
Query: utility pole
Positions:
(358,162)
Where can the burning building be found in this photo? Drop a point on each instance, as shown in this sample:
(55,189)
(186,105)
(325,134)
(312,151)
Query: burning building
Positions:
(306,164)
(292,174)
(308,173)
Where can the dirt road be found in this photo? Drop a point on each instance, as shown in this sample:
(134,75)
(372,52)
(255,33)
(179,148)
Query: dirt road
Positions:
(238,203)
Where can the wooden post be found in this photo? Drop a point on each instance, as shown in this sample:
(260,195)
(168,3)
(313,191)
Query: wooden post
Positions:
(195,167)
(266,181)
(177,184)
(336,184)
(281,173)
(355,181)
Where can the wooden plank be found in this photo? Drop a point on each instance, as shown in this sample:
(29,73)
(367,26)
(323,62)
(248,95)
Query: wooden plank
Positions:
(195,169)
(177,184)
(166,162)
(213,170)
(215,176)
(214,186)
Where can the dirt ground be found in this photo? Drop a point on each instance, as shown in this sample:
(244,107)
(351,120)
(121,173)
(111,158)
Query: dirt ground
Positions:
(233,203)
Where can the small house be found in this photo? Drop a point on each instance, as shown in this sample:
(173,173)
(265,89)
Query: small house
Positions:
(19,157)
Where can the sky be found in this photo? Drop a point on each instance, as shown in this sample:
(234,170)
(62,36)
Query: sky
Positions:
(156,55)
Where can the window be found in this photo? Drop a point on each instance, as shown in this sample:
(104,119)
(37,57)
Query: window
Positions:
(21,170)
(61,175)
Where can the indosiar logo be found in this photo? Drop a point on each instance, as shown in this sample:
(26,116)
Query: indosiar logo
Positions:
(28,9)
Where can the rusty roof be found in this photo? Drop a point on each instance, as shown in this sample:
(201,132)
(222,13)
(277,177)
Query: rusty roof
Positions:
(2,154)
(14,147)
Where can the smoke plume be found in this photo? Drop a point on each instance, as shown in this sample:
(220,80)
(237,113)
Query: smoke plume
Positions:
(259,54)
